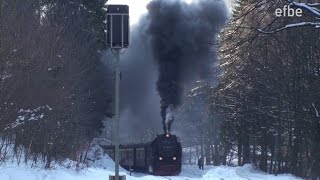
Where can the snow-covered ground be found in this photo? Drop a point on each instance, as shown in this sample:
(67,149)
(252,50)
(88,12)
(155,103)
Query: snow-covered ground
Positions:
(104,167)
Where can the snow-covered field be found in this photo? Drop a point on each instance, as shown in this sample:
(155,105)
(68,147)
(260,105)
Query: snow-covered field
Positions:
(103,168)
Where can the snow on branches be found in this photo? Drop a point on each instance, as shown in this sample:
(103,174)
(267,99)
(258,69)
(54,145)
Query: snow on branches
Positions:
(28,115)
(288,26)
(5,76)
(312,9)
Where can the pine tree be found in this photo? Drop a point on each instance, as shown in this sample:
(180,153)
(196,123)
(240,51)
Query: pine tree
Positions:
(265,89)
(51,58)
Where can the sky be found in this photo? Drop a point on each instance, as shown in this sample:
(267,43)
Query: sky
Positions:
(136,8)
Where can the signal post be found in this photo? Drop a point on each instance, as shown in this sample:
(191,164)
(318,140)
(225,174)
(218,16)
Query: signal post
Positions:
(117,39)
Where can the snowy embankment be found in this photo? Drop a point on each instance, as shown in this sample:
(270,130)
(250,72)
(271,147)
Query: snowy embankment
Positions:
(104,167)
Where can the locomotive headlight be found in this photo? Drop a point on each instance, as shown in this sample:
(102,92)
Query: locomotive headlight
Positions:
(174,158)
(167,135)
(160,158)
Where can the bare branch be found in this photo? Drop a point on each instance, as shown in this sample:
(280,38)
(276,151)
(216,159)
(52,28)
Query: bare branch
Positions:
(312,8)
(289,26)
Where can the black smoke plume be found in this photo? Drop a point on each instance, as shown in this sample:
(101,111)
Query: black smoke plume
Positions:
(181,40)
(139,98)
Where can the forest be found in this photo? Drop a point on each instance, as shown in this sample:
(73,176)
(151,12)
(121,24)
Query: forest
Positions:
(54,88)
(265,107)
(260,103)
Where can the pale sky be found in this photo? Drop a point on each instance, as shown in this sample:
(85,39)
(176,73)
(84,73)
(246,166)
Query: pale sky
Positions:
(136,8)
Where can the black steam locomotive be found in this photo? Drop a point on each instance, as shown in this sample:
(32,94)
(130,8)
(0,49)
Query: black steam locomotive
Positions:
(160,157)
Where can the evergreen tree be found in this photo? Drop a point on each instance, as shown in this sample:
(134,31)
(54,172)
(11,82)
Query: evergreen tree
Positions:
(267,92)
(55,90)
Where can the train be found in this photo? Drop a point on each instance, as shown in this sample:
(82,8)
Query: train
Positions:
(161,157)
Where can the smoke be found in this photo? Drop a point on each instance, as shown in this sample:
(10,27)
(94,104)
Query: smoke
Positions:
(181,37)
(170,48)
(169,117)
(139,107)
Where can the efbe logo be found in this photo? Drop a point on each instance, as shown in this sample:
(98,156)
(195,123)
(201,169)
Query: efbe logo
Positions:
(287,11)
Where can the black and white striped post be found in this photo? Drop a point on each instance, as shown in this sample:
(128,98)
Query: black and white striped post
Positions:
(117,39)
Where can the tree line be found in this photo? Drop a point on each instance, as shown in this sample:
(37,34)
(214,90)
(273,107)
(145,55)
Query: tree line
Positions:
(268,98)
(264,109)
(54,88)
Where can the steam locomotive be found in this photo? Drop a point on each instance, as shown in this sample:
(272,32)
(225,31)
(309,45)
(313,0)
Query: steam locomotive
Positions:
(160,157)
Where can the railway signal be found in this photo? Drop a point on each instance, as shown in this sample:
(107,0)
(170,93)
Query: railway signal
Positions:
(117,39)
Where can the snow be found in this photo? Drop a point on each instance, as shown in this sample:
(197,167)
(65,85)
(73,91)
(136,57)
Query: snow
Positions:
(300,24)
(242,173)
(101,166)
(104,167)
(316,110)
(24,172)
(5,76)
(28,115)
(308,7)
